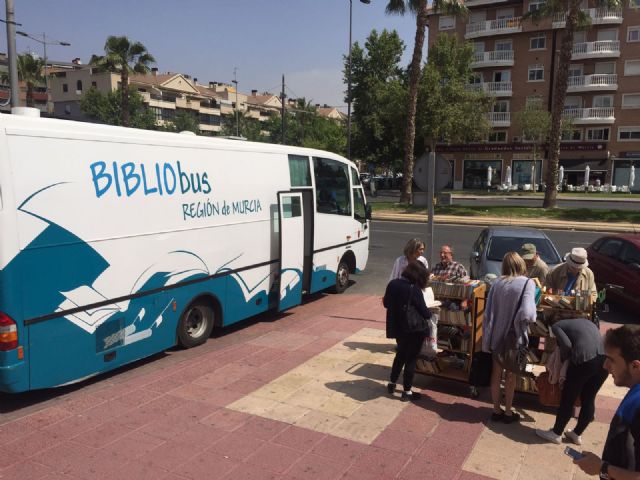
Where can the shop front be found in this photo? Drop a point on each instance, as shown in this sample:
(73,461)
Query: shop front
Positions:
(575,173)
(476,174)
(624,177)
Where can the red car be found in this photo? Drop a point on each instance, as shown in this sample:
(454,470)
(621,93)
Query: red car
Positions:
(615,259)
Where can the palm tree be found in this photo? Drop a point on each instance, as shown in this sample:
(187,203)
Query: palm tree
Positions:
(123,57)
(576,19)
(30,72)
(419,8)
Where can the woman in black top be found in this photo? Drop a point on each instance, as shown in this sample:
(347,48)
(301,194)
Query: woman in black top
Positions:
(399,291)
(580,342)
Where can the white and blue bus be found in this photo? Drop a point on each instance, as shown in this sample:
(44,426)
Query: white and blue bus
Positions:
(118,243)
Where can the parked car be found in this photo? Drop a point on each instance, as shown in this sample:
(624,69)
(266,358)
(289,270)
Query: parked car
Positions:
(494,242)
(615,260)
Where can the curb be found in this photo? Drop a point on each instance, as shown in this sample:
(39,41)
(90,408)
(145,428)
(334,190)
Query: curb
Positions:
(532,199)
(516,222)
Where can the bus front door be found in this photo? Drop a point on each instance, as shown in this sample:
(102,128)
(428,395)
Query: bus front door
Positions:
(292,241)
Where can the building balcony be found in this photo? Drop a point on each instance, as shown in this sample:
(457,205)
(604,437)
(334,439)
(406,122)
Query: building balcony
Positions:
(590,116)
(600,49)
(488,28)
(153,102)
(498,58)
(500,119)
(476,3)
(599,16)
(497,89)
(595,82)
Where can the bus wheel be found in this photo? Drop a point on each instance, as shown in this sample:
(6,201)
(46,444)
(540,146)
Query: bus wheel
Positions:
(342,278)
(195,325)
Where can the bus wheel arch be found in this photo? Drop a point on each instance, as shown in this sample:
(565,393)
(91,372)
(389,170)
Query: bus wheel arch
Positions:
(346,266)
(197,321)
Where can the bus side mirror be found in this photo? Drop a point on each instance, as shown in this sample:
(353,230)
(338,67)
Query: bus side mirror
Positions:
(367,211)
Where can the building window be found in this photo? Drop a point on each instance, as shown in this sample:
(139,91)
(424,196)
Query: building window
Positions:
(597,134)
(79,87)
(538,42)
(633,34)
(573,135)
(94,84)
(536,73)
(447,22)
(65,87)
(634,3)
(476,173)
(504,45)
(632,67)
(497,137)
(629,133)
(536,5)
(67,109)
(157,113)
(631,100)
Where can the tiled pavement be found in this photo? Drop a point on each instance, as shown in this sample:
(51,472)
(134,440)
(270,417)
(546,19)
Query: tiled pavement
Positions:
(296,396)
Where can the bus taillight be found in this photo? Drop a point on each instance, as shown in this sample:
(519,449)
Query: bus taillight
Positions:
(8,333)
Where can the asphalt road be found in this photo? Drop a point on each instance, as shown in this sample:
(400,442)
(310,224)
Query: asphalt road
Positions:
(388,240)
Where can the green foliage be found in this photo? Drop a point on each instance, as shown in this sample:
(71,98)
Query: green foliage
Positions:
(379,99)
(448,110)
(250,128)
(30,70)
(183,121)
(535,122)
(107,108)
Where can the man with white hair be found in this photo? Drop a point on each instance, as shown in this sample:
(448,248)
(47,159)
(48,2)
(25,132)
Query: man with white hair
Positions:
(573,274)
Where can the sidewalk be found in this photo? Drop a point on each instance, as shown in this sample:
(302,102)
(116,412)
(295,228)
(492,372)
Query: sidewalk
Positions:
(515,221)
(300,396)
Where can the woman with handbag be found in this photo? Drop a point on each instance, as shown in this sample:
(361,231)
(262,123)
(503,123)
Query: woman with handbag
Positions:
(580,344)
(407,316)
(510,308)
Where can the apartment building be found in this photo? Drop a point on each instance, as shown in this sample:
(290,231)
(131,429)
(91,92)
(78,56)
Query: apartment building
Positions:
(516,61)
(165,93)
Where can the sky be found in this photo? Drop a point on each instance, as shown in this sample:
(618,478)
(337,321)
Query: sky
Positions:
(208,39)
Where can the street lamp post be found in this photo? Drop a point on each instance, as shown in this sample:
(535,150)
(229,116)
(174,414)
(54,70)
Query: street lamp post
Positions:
(44,42)
(235,82)
(366,2)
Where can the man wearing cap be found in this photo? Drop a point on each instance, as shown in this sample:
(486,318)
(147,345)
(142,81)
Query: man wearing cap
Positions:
(573,274)
(536,268)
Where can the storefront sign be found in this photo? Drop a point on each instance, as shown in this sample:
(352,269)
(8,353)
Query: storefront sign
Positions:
(629,155)
(518,147)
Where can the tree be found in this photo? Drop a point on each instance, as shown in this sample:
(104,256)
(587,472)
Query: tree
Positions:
(30,70)
(378,93)
(183,121)
(576,19)
(535,123)
(448,110)
(123,57)
(107,108)
(419,8)
(250,128)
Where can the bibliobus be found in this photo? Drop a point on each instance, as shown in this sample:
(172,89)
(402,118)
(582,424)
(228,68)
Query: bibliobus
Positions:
(118,243)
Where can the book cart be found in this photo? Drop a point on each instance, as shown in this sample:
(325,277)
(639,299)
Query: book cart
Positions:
(551,308)
(459,330)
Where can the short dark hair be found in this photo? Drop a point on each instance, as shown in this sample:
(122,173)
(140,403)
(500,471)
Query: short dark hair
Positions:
(625,338)
(417,274)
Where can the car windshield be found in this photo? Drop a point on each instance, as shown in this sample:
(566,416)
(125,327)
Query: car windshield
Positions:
(501,245)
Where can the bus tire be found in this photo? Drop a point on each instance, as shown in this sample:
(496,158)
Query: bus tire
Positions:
(342,278)
(196,324)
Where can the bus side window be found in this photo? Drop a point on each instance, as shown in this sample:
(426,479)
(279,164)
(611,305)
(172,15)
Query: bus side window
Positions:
(359,211)
(333,192)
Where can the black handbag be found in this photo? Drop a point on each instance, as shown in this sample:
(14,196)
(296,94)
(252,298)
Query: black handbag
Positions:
(481,367)
(513,354)
(415,322)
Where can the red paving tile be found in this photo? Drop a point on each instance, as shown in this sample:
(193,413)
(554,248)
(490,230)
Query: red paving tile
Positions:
(102,435)
(301,439)
(314,467)
(261,428)
(237,446)
(339,450)
(251,472)
(445,453)
(272,457)
(136,470)
(134,445)
(26,470)
(399,441)
(169,454)
(225,419)
(356,473)
(29,445)
(46,417)
(420,425)
(380,460)
(193,410)
(432,471)
(138,397)
(207,465)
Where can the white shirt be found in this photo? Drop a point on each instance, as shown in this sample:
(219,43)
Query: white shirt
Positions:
(401,263)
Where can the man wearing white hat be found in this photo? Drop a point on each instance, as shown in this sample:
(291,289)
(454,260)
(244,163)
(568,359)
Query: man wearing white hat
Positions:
(573,274)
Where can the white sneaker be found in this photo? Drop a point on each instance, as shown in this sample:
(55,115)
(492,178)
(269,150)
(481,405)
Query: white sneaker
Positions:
(573,437)
(549,435)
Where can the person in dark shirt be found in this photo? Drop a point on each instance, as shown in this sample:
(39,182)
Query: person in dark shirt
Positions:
(621,453)
(407,288)
(580,342)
